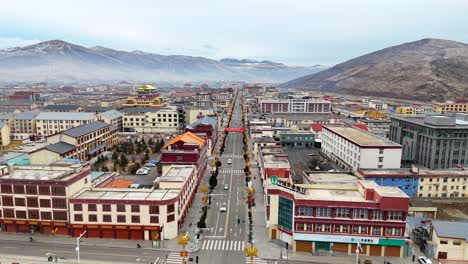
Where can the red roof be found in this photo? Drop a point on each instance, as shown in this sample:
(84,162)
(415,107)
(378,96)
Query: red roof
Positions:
(361,126)
(316,127)
(119,183)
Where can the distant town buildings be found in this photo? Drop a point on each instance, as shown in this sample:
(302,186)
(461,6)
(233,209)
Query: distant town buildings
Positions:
(292,106)
(50,123)
(147,96)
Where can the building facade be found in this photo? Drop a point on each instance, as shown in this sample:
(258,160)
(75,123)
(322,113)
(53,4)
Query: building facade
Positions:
(354,148)
(50,123)
(433,141)
(295,106)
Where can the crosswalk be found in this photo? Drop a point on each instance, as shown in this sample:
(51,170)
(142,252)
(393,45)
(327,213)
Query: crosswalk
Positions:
(230,245)
(255,261)
(174,258)
(229,171)
(231,156)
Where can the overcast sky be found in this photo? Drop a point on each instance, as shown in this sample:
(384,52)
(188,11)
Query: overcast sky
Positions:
(291,31)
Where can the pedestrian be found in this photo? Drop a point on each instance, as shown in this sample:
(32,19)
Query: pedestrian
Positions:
(414,257)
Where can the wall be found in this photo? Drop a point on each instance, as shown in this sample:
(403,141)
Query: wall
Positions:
(370,158)
(454,252)
(43,156)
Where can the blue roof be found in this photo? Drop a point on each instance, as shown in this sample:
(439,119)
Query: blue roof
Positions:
(451,229)
(60,147)
(112,114)
(85,129)
(206,120)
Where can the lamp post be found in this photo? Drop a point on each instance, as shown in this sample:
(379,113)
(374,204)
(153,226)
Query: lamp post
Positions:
(183,241)
(385,248)
(251,251)
(78,244)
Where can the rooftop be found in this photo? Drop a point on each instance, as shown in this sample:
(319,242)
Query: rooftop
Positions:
(97,108)
(206,120)
(118,183)
(334,178)
(43,173)
(65,116)
(112,114)
(60,147)
(26,115)
(361,137)
(187,137)
(420,172)
(127,194)
(85,129)
(451,120)
(302,116)
(60,107)
(177,173)
(451,229)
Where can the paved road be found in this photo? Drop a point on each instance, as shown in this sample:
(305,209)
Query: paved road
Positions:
(67,252)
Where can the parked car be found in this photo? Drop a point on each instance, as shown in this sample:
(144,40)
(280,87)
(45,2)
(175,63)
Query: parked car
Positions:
(229,161)
(150,165)
(146,168)
(142,172)
(19,148)
(30,144)
(424,260)
(153,161)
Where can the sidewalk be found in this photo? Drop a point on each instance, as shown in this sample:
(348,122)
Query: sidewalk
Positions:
(40,260)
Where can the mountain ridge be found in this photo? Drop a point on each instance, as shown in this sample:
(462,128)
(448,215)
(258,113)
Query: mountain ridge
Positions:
(426,70)
(64,61)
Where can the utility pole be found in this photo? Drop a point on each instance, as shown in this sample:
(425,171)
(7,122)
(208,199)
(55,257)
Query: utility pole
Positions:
(78,245)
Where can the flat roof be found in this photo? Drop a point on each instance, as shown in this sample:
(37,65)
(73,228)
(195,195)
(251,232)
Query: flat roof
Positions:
(128,194)
(361,137)
(332,178)
(65,116)
(178,173)
(408,172)
(39,172)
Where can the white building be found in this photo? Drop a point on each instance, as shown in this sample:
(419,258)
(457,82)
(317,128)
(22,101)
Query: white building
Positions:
(377,105)
(295,106)
(354,148)
(50,123)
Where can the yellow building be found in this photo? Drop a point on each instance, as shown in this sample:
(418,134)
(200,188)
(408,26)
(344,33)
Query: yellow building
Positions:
(450,184)
(459,107)
(405,110)
(450,239)
(147,96)
(4,135)
(374,114)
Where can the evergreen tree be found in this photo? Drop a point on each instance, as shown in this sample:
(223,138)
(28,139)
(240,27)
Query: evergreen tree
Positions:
(115,156)
(123,161)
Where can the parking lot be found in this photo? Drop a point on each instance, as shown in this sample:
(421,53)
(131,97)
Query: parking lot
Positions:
(301,159)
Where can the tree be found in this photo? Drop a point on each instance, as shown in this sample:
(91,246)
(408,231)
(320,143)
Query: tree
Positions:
(104,168)
(134,167)
(213,182)
(123,161)
(147,157)
(116,165)
(115,156)
(150,142)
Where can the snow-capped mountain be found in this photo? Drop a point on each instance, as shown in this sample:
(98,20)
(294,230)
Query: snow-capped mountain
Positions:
(62,61)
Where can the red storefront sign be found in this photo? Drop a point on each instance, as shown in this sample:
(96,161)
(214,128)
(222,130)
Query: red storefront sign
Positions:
(234,129)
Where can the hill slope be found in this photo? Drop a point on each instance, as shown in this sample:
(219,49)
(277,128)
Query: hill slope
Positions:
(58,60)
(428,69)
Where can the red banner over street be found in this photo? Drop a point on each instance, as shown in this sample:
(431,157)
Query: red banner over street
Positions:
(234,129)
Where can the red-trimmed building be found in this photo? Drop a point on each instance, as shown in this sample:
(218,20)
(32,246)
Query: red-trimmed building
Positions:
(36,198)
(140,214)
(205,127)
(337,218)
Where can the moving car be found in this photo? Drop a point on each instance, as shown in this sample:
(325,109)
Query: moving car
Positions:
(222,209)
(424,260)
(229,161)
(226,186)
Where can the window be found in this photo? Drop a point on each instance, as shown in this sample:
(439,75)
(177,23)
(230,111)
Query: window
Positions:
(323,212)
(389,231)
(59,203)
(342,212)
(8,213)
(381,151)
(377,214)
(6,188)
(135,208)
(121,219)
(380,159)
(92,218)
(121,208)
(18,189)
(360,213)
(107,218)
(170,208)
(327,228)
(154,219)
(58,191)
(444,242)
(7,201)
(363,229)
(60,215)
(44,190)
(92,207)
(78,218)
(337,228)
(355,229)
(106,207)
(304,211)
(33,214)
(154,209)
(456,243)
(318,227)
(31,189)
(395,215)
(376,231)
(20,202)
(21,214)
(397,232)
(136,219)
(32,202)
(46,215)
(170,218)
(78,207)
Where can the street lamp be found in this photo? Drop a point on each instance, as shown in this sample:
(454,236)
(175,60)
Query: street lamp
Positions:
(183,240)
(251,251)
(78,244)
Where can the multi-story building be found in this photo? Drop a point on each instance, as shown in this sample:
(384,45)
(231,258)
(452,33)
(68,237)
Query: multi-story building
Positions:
(113,118)
(35,198)
(25,125)
(458,106)
(207,128)
(451,240)
(419,182)
(83,143)
(5,135)
(380,128)
(377,105)
(193,113)
(293,106)
(302,119)
(272,161)
(354,148)
(62,108)
(297,139)
(147,96)
(50,123)
(405,110)
(23,105)
(338,217)
(161,120)
(434,141)
(142,214)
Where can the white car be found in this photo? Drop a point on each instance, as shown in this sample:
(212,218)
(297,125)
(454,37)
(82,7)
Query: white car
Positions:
(30,144)
(424,260)
(222,209)
(150,165)
(142,172)
(229,161)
